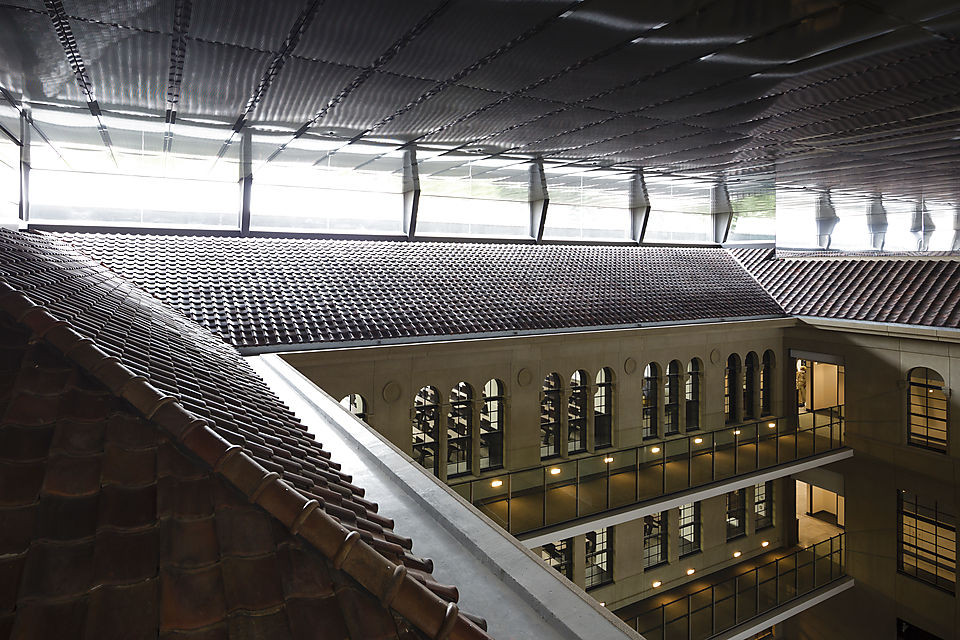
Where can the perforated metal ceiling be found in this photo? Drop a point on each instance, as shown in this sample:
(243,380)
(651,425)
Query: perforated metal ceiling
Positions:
(862,95)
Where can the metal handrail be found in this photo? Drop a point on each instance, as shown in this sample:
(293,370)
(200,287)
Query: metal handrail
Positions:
(566,490)
(695,615)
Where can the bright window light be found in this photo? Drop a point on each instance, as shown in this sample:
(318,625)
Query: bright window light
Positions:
(74,197)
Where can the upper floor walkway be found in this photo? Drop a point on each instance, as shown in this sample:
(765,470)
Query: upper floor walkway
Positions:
(560,493)
(735,602)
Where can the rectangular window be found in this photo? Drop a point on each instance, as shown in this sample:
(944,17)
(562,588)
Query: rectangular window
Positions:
(559,555)
(689,528)
(598,555)
(927,540)
(736,514)
(763,504)
(654,540)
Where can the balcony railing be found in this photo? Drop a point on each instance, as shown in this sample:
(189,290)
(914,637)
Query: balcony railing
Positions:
(739,599)
(530,499)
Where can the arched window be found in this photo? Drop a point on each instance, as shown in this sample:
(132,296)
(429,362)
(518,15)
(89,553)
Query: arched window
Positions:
(577,412)
(671,399)
(603,410)
(651,388)
(550,417)
(460,431)
(491,426)
(694,369)
(426,428)
(730,388)
(928,410)
(766,384)
(355,404)
(751,364)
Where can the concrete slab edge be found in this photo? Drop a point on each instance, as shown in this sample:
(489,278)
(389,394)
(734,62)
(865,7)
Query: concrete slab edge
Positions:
(539,586)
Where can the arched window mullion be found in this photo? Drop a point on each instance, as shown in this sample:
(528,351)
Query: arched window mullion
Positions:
(766,384)
(460,431)
(603,410)
(671,399)
(732,390)
(355,404)
(492,420)
(651,401)
(426,429)
(693,391)
(927,410)
(750,374)
(550,398)
(577,413)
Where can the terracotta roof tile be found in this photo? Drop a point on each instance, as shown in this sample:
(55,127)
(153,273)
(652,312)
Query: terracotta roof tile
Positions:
(256,292)
(902,288)
(165,515)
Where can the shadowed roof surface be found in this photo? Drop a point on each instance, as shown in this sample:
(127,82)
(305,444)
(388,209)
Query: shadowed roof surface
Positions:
(257,292)
(897,288)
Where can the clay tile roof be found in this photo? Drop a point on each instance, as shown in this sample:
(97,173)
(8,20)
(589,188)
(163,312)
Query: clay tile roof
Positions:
(151,485)
(902,288)
(256,292)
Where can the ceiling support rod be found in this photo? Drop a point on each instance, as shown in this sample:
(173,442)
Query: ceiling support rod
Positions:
(246,179)
(826,218)
(539,200)
(639,207)
(25,129)
(955,245)
(922,226)
(411,192)
(877,222)
(721,211)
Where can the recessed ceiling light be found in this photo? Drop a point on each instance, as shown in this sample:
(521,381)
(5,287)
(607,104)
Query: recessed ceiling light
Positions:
(654,449)
(496,483)
(765,543)
(608,459)
(690,572)
(656,583)
(737,554)
(698,441)
(554,471)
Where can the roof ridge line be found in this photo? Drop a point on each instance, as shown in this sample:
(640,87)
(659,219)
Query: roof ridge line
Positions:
(389,582)
(753,276)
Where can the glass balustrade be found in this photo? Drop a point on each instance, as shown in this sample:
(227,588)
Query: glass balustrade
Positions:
(531,499)
(741,598)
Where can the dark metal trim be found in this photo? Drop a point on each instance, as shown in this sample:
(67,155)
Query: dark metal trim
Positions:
(639,208)
(300,25)
(61,25)
(307,235)
(25,125)
(539,198)
(246,180)
(178,53)
(411,192)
